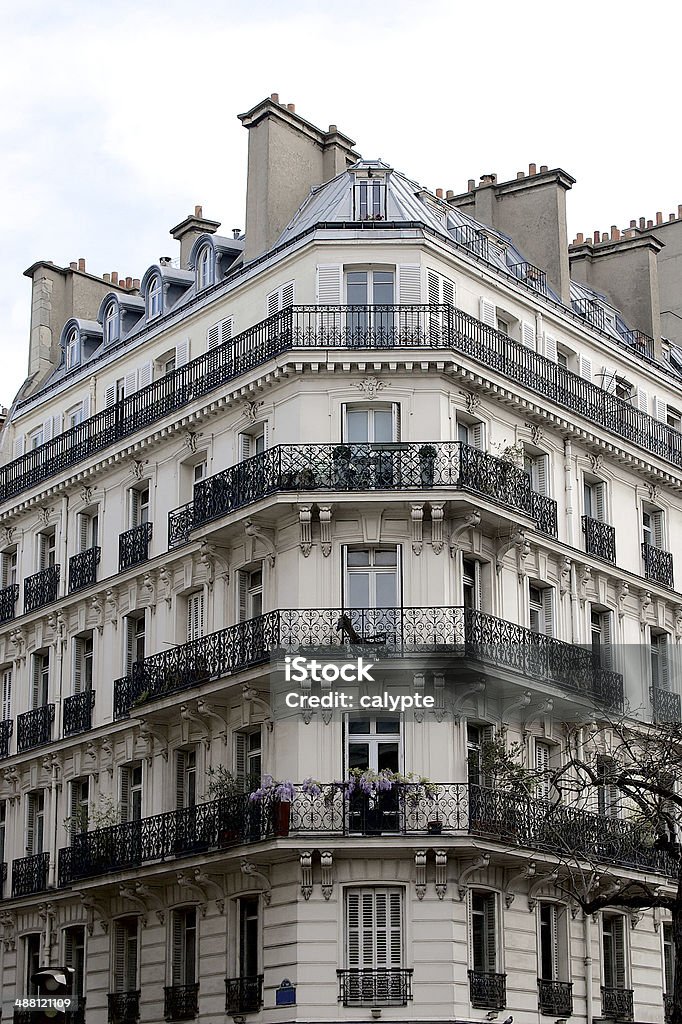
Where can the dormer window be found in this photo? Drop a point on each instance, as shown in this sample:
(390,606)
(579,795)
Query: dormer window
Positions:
(154,297)
(369,198)
(73,348)
(205,268)
(111,323)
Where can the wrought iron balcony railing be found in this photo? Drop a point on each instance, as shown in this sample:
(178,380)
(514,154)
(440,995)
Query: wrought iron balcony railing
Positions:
(530,275)
(29,874)
(340,327)
(3,878)
(361,467)
(642,343)
(411,809)
(472,239)
(375,986)
(244,995)
(83,568)
(667,1007)
(34,728)
(41,588)
(78,712)
(8,599)
(591,311)
(133,546)
(388,632)
(181,1002)
(600,539)
(666,706)
(487,990)
(617,1003)
(6,730)
(123,1007)
(658,565)
(555,998)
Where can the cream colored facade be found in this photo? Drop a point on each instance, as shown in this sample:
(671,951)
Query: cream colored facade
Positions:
(280,906)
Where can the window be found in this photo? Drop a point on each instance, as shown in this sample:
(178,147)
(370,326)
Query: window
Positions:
(88,530)
(199,471)
(375,424)
(138,507)
(369,198)
(660,663)
(673,418)
(73,348)
(3,824)
(483,932)
(374,743)
(8,567)
(220,333)
(74,957)
(374,928)
(249,939)
(535,467)
(371,579)
(552,945)
(594,499)
(184,946)
(47,549)
(613,949)
(168,365)
(154,297)
(280,298)
(562,358)
(131,791)
(250,583)
(111,323)
(40,691)
(366,290)
(502,325)
(471,432)
(247,757)
(134,640)
(83,661)
(185,778)
(543,757)
(31,963)
(205,267)
(668,958)
(608,794)
(6,706)
(471,584)
(35,438)
(74,416)
(477,738)
(253,442)
(600,629)
(125,944)
(117,391)
(79,809)
(35,823)
(541,601)
(195,616)
(652,527)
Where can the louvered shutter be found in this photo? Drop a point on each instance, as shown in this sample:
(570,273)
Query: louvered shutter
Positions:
(124,804)
(329,284)
(642,400)
(388,929)
(35,689)
(213,336)
(619,951)
(656,519)
(130,643)
(242,584)
(110,396)
(548,611)
(31,815)
(542,753)
(134,508)
(245,447)
(608,378)
(120,940)
(477,435)
(287,294)
(131,964)
(395,409)
(527,335)
(83,532)
(144,375)
(410,285)
(178,943)
(487,313)
(182,352)
(195,616)
(541,474)
(273,302)
(491,942)
(551,347)
(239,741)
(668,958)
(265,435)
(57,424)
(554,930)
(68,948)
(47,429)
(434,287)
(599,496)
(487,737)
(180,770)
(585,366)
(353,930)
(6,695)
(660,409)
(605,626)
(448,296)
(663,660)
(130,383)
(86,407)
(78,650)
(19,445)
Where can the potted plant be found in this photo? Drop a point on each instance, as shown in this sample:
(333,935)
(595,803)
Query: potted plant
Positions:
(427,462)
(224,788)
(343,470)
(279,795)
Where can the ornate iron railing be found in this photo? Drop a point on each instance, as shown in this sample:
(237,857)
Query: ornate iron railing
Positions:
(324,327)
(3,877)
(617,1003)
(360,467)
(555,997)
(590,310)
(600,538)
(658,565)
(370,986)
(8,599)
(181,1002)
(34,728)
(530,275)
(133,546)
(83,568)
(667,1006)
(6,730)
(41,588)
(244,995)
(78,712)
(488,991)
(472,239)
(123,1007)
(642,343)
(666,706)
(29,874)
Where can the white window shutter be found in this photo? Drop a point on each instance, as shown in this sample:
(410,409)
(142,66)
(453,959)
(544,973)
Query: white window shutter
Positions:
(329,284)
(213,336)
(86,407)
(491,933)
(245,447)
(242,587)
(273,303)
(550,347)
(47,429)
(542,767)
(134,508)
(477,435)
(78,648)
(265,435)
(130,384)
(31,815)
(226,329)
(657,528)
(57,424)
(541,474)
(527,335)
(548,611)
(409,284)
(110,396)
(83,531)
(599,494)
(585,366)
(182,353)
(124,804)
(144,376)
(195,615)
(287,294)
(608,378)
(619,951)
(660,409)
(448,296)
(19,443)
(487,313)
(395,408)
(6,710)
(642,400)
(434,287)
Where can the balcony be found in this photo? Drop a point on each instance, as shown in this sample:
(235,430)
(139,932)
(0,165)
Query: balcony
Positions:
(29,874)
(8,599)
(3,878)
(658,565)
(600,539)
(665,705)
(34,728)
(78,712)
(83,568)
(41,588)
(6,730)
(617,1003)
(555,998)
(530,275)
(133,546)
(418,466)
(181,1002)
(472,239)
(592,311)
(123,1007)
(244,995)
(642,343)
(487,991)
(375,986)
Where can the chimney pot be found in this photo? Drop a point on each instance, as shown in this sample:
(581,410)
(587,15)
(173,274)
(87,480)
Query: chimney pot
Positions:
(580,238)
(81,264)
(649,223)
(236,232)
(679,210)
(605,237)
(274,96)
(633,223)
(520,174)
(129,282)
(659,217)
(450,194)
(439,193)
(332,128)
(106,277)
(73,265)
(543,168)
(671,216)
(136,282)
(472,185)
(291,107)
(532,169)
(642,223)
(114,276)
(198,211)
(596,236)
(615,234)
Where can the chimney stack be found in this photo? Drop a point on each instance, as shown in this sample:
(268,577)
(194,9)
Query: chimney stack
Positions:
(189,229)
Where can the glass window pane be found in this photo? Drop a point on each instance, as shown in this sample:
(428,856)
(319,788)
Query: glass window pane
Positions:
(386,557)
(383,288)
(356,288)
(387,757)
(358,725)
(357,426)
(383,426)
(357,558)
(386,590)
(358,590)
(358,755)
(386,726)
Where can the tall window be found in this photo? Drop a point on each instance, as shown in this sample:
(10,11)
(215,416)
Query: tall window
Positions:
(668,958)
(253,442)
(477,738)
(543,756)
(195,616)
(205,267)
(613,948)
(130,779)
(80,807)
(8,568)
(471,584)
(154,296)
(365,424)
(608,794)
(249,939)
(367,291)
(3,825)
(483,932)
(6,694)
(31,962)
(35,823)
(111,323)
(600,635)
(594,498)
(74,957)
(40,693)
(47,549)
(553,954)
(73,348)
(541,610)
(134,640)
(83,662)
(369,198)
(125,943)
(184,946)
(652,527)
(660,663)
(88,530)
(248,758)
(138,505)
(185,778)
(374,928)
(371,578)
(250,584)
(374,743)
(535,468)
(471,432)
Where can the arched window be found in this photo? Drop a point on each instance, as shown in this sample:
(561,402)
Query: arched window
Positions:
(154,296)
(205,267)
(111,323)
(73,348)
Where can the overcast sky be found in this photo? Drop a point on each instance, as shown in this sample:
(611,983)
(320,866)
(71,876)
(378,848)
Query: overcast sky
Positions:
(119,117)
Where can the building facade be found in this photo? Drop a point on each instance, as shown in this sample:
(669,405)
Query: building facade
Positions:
(382,422)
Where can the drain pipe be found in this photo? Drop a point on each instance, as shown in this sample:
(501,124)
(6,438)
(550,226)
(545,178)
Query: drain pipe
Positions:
(587,932)
(568,489)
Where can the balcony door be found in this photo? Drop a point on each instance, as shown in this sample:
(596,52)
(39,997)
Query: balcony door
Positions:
(368,293)
(249,937)
(371,595)
(374,745)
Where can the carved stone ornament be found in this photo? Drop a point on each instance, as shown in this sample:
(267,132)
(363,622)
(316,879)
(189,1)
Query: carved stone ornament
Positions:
(623,592)
(190,441)
(536,434)
(137,469)
(472,400)
(437,528)
(326,865)
(87,494)
(596,462)
(306,859)
(325,514)
(565,583)
(370,387)
(251,409)
(417,520)
(645,603)
(420,873)
(305,517)
(44,514)
(6,534)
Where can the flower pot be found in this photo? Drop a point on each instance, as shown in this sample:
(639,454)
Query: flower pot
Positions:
(281,816)
(434,828)
(427,465)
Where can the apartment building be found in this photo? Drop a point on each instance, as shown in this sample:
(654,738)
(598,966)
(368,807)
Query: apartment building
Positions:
(416,426)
